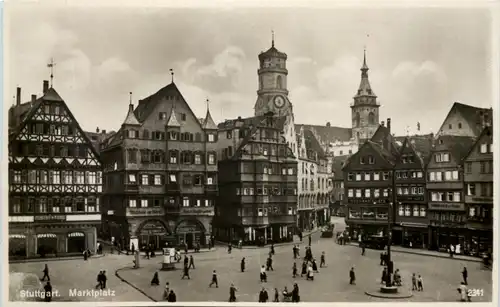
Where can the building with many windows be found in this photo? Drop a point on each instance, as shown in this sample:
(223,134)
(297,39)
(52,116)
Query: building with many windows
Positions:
(411,220)
(337,194)
(257,182)
(55,181)
(160,172)
(445,189)
(478,180)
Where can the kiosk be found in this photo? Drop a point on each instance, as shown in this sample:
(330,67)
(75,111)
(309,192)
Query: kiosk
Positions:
(168,262)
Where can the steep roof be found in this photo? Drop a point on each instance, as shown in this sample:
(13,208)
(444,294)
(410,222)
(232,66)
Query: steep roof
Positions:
(130,119)
(208,122)
(313,144)
(459,146)
(365,88)
(421,144)
(337,165)
(388,155)
(328,134)
(474,116)
(272,52)
(383,133)
(486,130)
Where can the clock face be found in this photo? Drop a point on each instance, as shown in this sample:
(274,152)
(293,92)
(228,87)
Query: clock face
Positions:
(279,101)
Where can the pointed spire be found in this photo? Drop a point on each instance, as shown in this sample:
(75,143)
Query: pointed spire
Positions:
(364,67)
(130,119)
(364,86)
(172,120)
(172,74)
(209,123)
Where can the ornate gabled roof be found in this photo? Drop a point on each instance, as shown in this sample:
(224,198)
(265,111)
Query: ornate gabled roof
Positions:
(131,119)
(172,120)
(474,116)
(313,145)
(364,86)
(487,130)
(272,52)
(458,146)
(420,144)
(208,122)
(52,95)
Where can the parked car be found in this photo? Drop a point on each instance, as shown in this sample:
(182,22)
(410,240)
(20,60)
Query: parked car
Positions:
(376,242)
(327,231)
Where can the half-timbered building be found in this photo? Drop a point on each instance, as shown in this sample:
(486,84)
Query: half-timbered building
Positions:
(161,173)
(54,179)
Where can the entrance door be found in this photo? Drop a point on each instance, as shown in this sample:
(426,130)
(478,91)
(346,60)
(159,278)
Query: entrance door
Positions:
(46,244)
(190,240)
(76,242)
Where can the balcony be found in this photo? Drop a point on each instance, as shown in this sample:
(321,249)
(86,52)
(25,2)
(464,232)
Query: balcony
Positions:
(137,212)
(255,220)
(211,188)
(196,211)
(282,219)
(172,188)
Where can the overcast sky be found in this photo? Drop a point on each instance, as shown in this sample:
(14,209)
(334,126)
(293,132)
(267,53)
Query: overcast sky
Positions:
(421,60)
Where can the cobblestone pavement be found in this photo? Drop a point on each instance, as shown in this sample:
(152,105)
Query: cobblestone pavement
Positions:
(441,276)
(82,275)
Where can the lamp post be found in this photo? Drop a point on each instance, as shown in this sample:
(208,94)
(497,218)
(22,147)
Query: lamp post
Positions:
(390,264)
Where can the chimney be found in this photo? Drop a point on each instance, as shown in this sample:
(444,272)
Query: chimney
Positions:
(103,131)
(45,86)
(33,98)
(389,125)
(18,96)
(383,124)
(97,130)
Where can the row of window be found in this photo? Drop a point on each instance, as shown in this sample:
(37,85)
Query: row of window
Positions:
(44,128)
(375,176)
(266,191)
(367,160)
(186,202)
(48,150)
(455,217)
(268,149)
(369,213)
(485,189)
(358,193)
(442,157)
(412,210)
(187,179)
(405,159)
(174,157)
(54,204)
(445,196)
(479,212)
(410,190)
(306,184)
(56,177)
(486,167)
(50,109)
(444,176)
(269,211)
(409,174)
(486,148)
(171,135)
(267,168)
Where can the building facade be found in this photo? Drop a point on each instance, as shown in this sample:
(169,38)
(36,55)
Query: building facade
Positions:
(337,195)
(465,120)
(445,188)
(368,183)
(478,180)
(55,179)
(161,173)
(257,182)
(411,221)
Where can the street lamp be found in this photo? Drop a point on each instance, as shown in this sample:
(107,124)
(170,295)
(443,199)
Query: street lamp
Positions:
(390,264)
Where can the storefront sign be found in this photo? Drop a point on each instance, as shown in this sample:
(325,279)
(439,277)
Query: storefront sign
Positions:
(189,227)
(197,211)
(50,218)
(447,206)
(145,211)
(153,228)
(485,199)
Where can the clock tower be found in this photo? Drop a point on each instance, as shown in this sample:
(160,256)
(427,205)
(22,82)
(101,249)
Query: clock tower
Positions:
(272,95)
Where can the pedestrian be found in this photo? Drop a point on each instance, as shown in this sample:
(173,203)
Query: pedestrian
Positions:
(214,280)
(362,248)
(304,269)
(191,262)
(186,272)
(452,250)
(464,292)
(186,261)
(263,296)
(294,252)
(272,248)
(45,273)
(166,291)
(314,266)
(420,283)
(85,255)
(414,282)
(186,248)
(300,236)
(276,295)
(310,274)
(295,293)
(352,277)
(384,275)
(133,248)
(48,292)
(309,240)
(464,275)
(104,279)
(229,248)
(171,298)
(155,281)
(232,293)
(99,280)
(242,264)
(322,262)
(269,264)
(294,270)
(263,275)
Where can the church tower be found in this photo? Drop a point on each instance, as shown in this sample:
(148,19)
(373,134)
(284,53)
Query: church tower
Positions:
(272,95)
(365,108)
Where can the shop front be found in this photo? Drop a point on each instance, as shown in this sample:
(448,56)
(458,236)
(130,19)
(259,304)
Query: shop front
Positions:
(17,245)
(152,233)
(414,235)
(190,232)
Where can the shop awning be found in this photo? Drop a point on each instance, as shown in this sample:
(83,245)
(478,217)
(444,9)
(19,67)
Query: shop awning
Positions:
(46,235)
(76,234)
(17,236)
(414,225)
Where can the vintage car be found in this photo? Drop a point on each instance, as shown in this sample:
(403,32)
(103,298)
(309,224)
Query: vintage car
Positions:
(327,231)
(376,242)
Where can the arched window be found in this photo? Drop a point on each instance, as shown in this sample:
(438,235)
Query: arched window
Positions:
(279,82)
(371,118)
(356,119)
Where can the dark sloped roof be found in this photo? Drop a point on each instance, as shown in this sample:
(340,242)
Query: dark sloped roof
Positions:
(98,137)
(389,156)
(473,116)
(421,144)
(382,134)
(272,52)
(313,144)
(486,130)
(328,134)
(459,146)
(337,165)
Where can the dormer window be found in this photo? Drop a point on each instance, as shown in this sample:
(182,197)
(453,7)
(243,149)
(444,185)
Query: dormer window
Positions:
(211,137)
(459,125)
(162,115)
(442,157)
(371,160)
(173,135)
(450,126)
(132,134)
(362,160)
(183,117)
